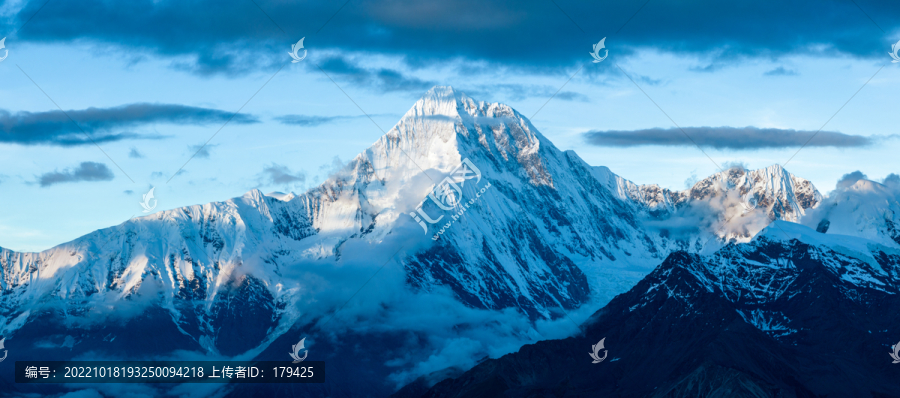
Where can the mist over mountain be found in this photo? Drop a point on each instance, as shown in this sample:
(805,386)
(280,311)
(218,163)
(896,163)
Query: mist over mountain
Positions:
(526,244)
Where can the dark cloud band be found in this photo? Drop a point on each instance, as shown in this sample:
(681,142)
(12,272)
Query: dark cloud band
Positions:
(725,138)
(309,121)
(86,171)
(312,121)
(102,124)
(529,33)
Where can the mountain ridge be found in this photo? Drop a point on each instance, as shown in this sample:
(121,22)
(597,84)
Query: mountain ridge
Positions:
(538,235)
(368,199)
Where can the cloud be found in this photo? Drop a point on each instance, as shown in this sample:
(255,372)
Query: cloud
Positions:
(102,124)
(736,164)
(892,180)
(847,180)
(781,71)
(331,169)
(390,80)
(159,174)
(308,121)
(712,67)
(739,138)
(380,79)
(571,96)
(134,153)
(86,171)
(312,121)
(725,214)
(276,174)
(205,38)
(201,150)
(691,181)
(518,92)
(648,80)
(453,333)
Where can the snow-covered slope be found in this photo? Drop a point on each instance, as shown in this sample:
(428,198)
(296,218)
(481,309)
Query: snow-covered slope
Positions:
(538,237)
(867,209)
(760,273)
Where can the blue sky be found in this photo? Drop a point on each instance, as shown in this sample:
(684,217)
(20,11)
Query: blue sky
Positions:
(152,81)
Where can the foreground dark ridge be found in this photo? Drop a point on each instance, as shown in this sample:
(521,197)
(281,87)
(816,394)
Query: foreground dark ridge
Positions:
(776,317)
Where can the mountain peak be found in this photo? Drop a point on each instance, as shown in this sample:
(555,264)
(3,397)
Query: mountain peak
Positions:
(774,173)
(783,194)
(776,168)
(446,126)
(441,102)
(864,185)
(442,91)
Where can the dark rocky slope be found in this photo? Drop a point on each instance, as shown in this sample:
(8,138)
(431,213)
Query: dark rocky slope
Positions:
(773,318)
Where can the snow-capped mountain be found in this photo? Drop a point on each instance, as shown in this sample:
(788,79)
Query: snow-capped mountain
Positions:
(539,237)
(460,196)
(530,231)
(867,209)
(734,204)
(517,246)
(792,313)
